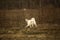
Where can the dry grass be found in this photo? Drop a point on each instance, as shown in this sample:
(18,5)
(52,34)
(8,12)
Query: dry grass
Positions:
(32,34)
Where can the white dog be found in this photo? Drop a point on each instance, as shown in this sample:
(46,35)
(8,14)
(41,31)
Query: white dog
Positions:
(31,22)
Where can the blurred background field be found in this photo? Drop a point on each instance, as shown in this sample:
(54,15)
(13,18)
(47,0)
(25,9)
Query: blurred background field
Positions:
(14,12)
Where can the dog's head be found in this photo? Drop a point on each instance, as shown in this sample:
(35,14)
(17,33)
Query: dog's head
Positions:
(26,20)
(32,18)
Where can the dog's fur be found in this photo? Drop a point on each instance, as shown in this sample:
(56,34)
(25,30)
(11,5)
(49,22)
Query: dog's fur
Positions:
(31,23)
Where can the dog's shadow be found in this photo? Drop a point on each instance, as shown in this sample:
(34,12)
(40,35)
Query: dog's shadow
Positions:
(29,30)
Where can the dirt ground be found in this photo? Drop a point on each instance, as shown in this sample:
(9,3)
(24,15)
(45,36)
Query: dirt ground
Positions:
(39,33)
